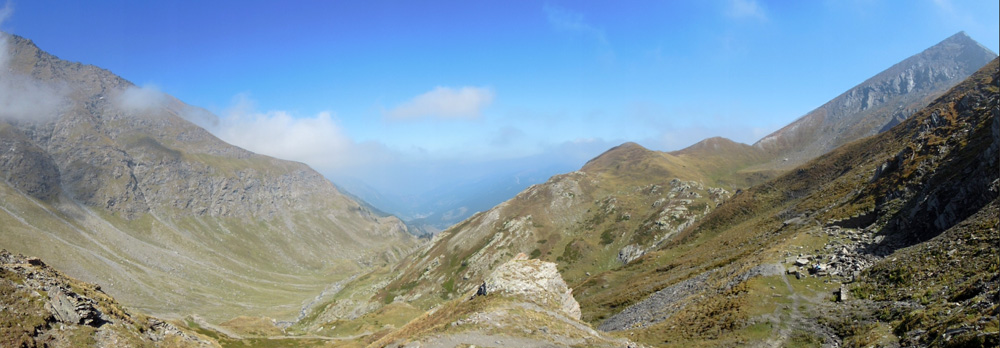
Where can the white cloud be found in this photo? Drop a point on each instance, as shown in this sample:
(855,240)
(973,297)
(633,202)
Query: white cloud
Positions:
(6,11)
(22,97)
(139,99)
(746,9)
(445,102)
(317,141)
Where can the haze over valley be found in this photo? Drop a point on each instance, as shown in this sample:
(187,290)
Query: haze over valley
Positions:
(718,173)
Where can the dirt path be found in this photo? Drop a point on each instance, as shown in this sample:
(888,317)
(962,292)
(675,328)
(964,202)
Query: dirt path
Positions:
(798,321)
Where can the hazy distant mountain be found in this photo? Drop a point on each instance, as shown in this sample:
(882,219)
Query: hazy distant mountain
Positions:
(112,184)
(434,210)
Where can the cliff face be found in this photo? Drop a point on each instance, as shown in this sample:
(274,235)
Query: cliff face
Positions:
(114,183)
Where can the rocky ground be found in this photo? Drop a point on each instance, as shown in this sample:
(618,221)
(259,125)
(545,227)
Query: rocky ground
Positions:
(40,307)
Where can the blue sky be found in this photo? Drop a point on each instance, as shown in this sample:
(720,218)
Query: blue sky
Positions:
(393,91)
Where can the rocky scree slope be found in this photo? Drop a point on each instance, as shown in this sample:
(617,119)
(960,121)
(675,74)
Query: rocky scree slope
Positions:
(115,184)
(899,221)
(41,307)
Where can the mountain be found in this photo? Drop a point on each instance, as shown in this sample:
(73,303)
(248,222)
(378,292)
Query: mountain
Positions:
(886,241)
(635,209)
(899,227)
(631,199)
(113,184)
(869,108)
(878,103)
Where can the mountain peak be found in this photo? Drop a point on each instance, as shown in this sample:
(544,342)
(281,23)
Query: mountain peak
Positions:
(963,39)
(879,102)
(711,144)
(627,152)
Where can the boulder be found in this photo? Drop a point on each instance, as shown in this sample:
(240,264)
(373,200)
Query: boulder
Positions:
(629,253)
(535,281)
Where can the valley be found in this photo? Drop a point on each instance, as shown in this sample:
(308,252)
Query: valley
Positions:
(871,220)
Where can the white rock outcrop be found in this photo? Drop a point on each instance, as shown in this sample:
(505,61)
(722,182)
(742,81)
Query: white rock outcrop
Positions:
(534,280)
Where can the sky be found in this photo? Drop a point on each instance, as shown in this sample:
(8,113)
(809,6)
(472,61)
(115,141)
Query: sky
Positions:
(409,95)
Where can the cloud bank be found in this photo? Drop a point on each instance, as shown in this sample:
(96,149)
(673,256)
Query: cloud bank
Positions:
(139,99)
(318,141)
(445,103)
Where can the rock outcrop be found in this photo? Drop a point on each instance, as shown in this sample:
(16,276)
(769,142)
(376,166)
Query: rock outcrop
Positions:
(522,303)
(533,280)
(42,307)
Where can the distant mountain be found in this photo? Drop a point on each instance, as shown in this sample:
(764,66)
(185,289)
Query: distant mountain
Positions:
(112,184)
(434,210)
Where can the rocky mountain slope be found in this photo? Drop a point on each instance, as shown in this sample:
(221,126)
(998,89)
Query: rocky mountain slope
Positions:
(114,184)
(44,308)
(879,103)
